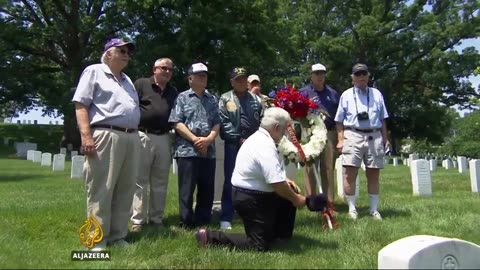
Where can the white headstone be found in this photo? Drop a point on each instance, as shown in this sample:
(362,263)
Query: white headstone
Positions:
(454,162)
(37,156)
(462,164)
(433,164)
(24,121)
(74,153)
(5,141)
(413,157)
(63,151)
(429,252)
(175,166)
(30,154)
(46,159)
(408,162)
(395,162)
(219,172)
(56,122)
(58,162)
(339,178)
(291,170)
(69,147)
(421,179)
(23,147)
(77,167)
(448,164)
(475,174)
(29,122)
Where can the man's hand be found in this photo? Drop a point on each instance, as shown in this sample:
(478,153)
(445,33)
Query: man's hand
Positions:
(201,142)
(88,146)
(340,146)
(294,186)
(300,201)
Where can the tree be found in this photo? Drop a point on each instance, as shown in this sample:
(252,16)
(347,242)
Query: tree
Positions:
(46,46)
(408,46)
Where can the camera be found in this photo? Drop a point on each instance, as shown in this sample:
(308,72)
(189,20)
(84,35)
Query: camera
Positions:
(362,116)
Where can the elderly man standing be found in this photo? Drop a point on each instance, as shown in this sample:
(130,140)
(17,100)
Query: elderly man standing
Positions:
(240,113)
(255,87)
(197,123)
(362,137)
(156,101)
(263,196)
(108,114)
(327,99)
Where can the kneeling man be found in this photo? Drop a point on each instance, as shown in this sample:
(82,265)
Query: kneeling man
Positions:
(262,195)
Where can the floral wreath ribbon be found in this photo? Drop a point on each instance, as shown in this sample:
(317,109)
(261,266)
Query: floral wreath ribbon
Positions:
(329,220)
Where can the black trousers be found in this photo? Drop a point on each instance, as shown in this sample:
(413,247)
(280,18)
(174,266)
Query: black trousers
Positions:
(266,218)
(194,172)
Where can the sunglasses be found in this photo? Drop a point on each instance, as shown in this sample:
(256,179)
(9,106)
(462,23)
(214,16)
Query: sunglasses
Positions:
(165,68)
(361,73)
(125,52)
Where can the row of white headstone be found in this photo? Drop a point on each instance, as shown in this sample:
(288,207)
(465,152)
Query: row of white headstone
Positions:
(29,122)
(422,179)
(58,164)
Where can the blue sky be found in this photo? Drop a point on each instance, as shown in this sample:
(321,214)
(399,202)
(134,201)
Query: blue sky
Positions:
(37,114)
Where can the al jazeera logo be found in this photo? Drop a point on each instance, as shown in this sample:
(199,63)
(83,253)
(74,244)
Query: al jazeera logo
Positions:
(90,234)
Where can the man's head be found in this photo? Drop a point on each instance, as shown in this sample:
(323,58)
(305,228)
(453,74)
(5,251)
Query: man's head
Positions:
(254,84)
(117,52)
(275,121)
(238,79)
(163,70)
(198,76)
(360,75)
(317,76)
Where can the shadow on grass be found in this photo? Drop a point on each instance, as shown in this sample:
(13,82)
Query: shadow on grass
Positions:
(19,177)
(301,244)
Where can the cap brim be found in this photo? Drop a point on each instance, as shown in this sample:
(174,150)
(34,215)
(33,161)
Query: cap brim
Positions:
(198,72)
(239,75)
(130,45)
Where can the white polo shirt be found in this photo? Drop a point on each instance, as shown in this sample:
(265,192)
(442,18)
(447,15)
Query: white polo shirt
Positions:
(258,163)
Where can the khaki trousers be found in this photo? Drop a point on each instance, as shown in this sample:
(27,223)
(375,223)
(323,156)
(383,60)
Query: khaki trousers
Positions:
(110,180)
(154,167)
(327,163)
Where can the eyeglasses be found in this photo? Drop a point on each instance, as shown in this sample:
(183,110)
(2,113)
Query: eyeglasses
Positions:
(165,68)
(125,52)
(361,73)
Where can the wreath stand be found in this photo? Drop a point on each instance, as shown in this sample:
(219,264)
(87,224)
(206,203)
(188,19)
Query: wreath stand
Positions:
(329,220)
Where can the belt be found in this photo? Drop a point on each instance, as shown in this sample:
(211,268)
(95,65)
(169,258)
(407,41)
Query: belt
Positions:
(127,130)
(251,191)
(363,130)
(152,131)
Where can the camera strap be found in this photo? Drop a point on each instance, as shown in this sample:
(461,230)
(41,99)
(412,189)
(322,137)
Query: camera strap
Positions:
(368,99)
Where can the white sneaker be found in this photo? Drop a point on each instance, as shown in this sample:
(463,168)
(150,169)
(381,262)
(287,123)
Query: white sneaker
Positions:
(225,225)
(99,246)
(376,215)
(353,214)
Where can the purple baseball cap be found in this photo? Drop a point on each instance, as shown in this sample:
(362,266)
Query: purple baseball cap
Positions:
(118,42)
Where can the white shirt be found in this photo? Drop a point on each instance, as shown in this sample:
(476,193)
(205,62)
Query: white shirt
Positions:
(258,163)
(353,101)
(109,101)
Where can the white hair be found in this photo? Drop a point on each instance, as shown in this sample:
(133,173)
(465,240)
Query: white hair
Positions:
(157,63)
(275,116)
(103,59)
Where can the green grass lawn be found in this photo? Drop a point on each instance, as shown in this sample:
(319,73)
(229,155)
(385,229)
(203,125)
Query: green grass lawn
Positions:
(41,212)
